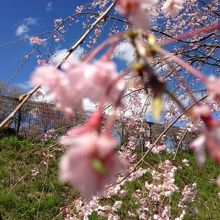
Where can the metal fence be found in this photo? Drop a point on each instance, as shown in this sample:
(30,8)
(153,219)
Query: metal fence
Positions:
(33,119)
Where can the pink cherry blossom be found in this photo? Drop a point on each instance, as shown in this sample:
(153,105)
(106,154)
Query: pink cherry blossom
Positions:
(213,85)
(213,143)
(128,7)
(58,21)
(42,62)
(47,75)
(198,146)
(136,10)
(209,141)
(92,125)
(37,40)
(163,181)
(201,110)
(58,86)
(156,149)
(91,163)
(188,195)
(132,7)
(117,205)
(98,82)
(172,7)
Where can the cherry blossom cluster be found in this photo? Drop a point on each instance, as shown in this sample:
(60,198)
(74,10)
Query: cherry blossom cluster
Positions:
(35,172)
(84,208)
(42,62)
(156,149)
(163,181)
(60,29)
(187,196)
(50,136)
(208,140)
(99,82)
(128,150)
(37,40)
(172,7)
(147,206)
(137,8)
(92,164)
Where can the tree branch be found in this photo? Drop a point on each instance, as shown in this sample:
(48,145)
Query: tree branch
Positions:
(27,96)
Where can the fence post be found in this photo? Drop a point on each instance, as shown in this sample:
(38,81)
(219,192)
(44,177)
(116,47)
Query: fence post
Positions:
(19,119)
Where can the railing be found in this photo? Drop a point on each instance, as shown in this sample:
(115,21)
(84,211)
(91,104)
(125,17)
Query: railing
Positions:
(33,119)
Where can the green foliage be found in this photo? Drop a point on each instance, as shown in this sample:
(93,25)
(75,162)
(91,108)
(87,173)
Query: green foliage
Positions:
(24,197)
(21,195)
(94,216)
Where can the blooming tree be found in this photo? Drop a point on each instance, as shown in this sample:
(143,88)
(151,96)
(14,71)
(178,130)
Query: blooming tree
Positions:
(172,73)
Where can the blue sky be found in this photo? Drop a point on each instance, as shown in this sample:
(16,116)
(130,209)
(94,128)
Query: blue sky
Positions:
(33,17)
(20,18)
(26,18)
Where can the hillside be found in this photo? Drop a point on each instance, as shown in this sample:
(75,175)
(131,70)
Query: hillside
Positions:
(29,187)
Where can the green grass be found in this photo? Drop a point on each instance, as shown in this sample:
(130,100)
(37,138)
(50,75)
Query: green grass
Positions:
(25,197)
(21,195)
(207,202)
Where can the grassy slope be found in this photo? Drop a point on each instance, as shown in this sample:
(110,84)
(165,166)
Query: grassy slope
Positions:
(41,198)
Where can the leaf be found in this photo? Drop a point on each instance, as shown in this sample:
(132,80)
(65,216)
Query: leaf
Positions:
(157,107)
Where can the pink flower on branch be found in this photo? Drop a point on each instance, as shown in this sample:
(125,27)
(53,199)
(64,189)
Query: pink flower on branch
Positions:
(91,163)
(213,85)
(172,7)
(209,141)
(58,87)
(132,7)
(201,110)
(42,62)
(198,146)
(92,125)
(136,10)
(37,40)
(128,7)
(78,80)
(97,81)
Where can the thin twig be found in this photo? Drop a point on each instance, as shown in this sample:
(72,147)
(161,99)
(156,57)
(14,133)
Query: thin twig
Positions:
(179,144)
(21,178)
(156,141)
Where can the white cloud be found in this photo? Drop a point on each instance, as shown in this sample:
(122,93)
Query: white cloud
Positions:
(49,7)
(21,29)
(42,96)
(24,86)
(124,51)
(59,54)
(30,21)
(24,27)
